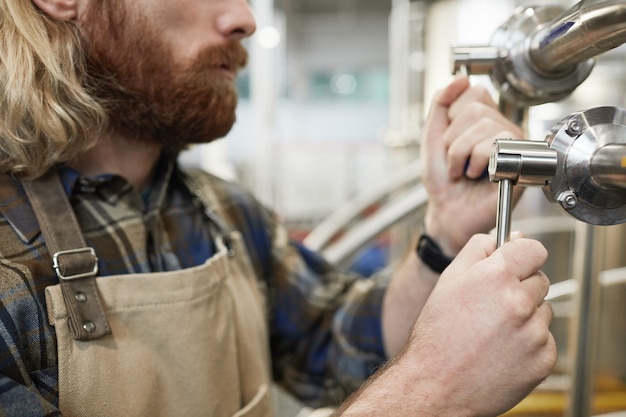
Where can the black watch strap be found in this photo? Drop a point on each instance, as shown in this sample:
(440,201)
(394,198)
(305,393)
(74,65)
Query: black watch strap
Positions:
(431,254)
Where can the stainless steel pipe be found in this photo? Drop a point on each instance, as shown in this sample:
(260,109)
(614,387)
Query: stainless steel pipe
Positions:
(542,54)
(584,31)
(608,166)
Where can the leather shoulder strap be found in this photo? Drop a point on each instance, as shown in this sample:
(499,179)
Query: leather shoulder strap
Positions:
(75,264)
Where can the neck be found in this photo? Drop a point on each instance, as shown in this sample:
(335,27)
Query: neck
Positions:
(116,155)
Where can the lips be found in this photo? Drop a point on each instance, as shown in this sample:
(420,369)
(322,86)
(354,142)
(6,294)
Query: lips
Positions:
(224,59)
(228,71)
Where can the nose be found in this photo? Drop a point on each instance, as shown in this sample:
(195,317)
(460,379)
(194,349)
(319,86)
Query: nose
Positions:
(237,22)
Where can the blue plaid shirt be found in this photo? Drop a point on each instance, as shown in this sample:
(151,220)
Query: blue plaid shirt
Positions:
(325,327)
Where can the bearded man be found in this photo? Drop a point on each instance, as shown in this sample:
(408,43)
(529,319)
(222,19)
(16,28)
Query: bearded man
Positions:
(133,287)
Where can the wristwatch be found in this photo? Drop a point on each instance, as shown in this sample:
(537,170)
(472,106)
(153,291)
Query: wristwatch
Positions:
(431,254)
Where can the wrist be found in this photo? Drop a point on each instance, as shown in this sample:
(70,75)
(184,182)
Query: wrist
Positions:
(402,389)
(438,229)
(431,254)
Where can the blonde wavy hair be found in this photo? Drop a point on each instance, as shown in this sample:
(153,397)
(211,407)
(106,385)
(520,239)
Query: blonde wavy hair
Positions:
(46,115)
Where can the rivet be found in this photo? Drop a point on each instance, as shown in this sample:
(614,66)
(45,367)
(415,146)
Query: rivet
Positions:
(89,327)
(80,297)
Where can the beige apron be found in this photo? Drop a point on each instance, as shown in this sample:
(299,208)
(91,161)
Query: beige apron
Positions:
(187,343)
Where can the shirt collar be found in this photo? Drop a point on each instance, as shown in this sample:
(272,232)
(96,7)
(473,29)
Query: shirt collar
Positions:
(16,209)
(112,187)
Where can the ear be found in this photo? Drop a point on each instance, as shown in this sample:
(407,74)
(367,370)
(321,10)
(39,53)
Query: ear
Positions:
(59,9)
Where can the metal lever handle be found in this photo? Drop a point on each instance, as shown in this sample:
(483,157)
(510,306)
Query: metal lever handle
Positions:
(517,161)
(503,214)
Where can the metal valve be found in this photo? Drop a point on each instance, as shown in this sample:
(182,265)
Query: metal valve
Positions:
(590,181)
(529,58)
(514,162)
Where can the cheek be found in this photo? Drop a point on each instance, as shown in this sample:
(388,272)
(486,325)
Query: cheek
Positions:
(188,26)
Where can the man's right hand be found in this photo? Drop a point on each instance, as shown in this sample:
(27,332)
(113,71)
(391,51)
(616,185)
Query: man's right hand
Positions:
(482,342)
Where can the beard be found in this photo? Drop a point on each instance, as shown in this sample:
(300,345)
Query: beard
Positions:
(132,72)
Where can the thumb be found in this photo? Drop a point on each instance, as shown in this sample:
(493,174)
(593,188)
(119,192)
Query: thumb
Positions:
(524,257)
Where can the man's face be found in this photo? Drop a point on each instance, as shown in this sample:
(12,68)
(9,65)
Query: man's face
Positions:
(154,86)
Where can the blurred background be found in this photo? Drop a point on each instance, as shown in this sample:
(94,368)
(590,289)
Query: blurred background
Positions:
(328,130)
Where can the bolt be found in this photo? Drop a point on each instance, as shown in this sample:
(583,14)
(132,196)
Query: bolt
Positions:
(574,128)
(568,200)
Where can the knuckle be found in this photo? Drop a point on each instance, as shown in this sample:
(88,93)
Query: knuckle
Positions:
(482,94)
(522,304)
(476,110)
(537,254)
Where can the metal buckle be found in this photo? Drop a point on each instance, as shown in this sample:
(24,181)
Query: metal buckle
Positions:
(55,263)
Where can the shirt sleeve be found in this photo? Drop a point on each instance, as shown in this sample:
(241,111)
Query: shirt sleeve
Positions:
(28,366)
(18,400)
(28,370)
(327,337)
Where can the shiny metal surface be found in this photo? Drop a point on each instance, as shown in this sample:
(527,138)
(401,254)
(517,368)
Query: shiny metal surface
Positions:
(585,184)
(515,75)
(322,235)
(542,54)
(507,61)
(340,253)
(474,59)
(525,162)
(608,166)
(503,213)
(584,31)
(584,327)
(512,162)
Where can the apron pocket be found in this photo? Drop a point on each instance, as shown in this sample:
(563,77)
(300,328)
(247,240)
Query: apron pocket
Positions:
(260,406)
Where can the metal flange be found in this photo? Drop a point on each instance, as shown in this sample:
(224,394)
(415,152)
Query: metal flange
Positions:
(515,75)
(590,180)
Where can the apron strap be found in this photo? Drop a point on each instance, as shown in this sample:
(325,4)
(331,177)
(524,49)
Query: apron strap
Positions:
(75,264)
